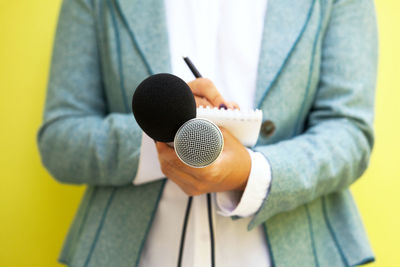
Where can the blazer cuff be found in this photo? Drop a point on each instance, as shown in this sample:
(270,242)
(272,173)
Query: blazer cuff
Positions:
(247,203)
(149,169)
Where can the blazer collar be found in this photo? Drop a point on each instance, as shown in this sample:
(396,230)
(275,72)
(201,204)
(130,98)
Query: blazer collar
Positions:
(146,22)
(285,21)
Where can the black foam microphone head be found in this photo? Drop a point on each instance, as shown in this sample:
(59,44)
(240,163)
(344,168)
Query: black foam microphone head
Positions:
(161,104)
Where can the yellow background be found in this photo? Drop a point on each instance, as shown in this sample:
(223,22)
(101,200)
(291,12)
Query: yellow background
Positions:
(35,211)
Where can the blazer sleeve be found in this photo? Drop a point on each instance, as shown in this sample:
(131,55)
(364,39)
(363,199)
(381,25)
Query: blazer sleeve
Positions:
(335,148)
(79,141)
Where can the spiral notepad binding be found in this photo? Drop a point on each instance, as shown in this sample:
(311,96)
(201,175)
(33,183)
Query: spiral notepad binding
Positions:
(243,124)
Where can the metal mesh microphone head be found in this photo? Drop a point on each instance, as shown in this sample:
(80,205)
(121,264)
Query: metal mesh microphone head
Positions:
(198,143)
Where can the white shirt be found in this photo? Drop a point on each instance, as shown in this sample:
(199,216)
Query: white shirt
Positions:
(222,38)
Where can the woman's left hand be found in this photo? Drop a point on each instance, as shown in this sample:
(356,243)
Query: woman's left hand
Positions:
(229,172)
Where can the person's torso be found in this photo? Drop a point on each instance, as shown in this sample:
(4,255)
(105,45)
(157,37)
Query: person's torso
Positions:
(112,224)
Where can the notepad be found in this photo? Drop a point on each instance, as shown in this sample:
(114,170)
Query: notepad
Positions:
(243,124)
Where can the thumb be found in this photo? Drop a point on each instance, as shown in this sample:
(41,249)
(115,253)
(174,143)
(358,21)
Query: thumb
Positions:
(204,87)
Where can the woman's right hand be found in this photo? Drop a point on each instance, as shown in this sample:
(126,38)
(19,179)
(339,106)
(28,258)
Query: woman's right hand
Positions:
(206,94)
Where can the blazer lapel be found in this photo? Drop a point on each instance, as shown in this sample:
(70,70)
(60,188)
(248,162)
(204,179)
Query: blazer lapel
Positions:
(146,23)
(285,21)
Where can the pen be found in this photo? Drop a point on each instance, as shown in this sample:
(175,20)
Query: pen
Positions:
(191,66)
(197,74)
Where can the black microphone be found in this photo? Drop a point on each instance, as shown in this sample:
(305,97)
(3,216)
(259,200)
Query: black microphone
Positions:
(161,104)
(165,109)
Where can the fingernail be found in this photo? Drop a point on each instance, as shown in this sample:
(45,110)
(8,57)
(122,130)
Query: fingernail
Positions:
(223,106)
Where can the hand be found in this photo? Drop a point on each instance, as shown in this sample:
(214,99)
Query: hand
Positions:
(206,94)
(229,172)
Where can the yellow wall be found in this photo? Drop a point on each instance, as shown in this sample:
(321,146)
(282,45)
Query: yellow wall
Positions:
(35,211)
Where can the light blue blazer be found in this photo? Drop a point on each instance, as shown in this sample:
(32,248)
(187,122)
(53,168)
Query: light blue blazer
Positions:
(316,80)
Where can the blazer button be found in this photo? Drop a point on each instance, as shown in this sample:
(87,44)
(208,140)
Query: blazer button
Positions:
(267,128)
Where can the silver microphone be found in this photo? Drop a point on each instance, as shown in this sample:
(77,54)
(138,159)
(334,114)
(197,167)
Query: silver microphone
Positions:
(198,142)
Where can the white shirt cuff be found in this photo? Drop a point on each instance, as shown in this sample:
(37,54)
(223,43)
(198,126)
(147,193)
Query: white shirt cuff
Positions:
(149,167)
(234,203)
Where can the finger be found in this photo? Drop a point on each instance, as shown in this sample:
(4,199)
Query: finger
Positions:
(195,179)
(206,88)
(186,182)
(201,101)
(178,176)
(164,148)
(233,105)
(167,154)
(188,190)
